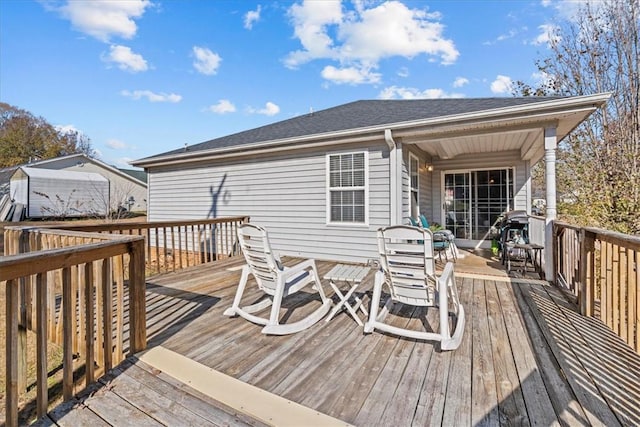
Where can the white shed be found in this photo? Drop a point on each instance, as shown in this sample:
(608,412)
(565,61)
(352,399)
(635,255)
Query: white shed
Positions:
(58,193)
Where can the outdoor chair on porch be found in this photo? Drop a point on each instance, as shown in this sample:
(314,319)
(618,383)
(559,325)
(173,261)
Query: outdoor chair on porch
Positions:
(408,270)
(443,240)
(276,281)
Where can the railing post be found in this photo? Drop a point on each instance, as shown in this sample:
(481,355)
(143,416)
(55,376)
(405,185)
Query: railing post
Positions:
(586,271)
(22,241)
(137,308)
(11,348)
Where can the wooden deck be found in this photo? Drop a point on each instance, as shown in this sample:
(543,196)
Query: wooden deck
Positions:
(527,358)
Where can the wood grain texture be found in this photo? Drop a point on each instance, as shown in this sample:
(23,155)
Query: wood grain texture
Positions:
(527,357)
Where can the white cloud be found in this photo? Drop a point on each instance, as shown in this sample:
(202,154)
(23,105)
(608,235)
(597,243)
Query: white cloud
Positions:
(126,59)
(359,39)
(349,75)
(502,84)
(67,129)
(568,9)
(547,34)
(310,20)
(115,144)
(251,17)
(206,62)
(502,37)
(104,19)
(151,96)
(403,72)
(395,92)
(270,109)
(460,81)
(222,107)
(124,161)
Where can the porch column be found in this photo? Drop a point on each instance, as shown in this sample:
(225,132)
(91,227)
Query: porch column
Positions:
(550,145)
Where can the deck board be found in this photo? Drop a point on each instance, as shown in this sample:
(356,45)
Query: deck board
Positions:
(458,404)
(526,357)
(484,411)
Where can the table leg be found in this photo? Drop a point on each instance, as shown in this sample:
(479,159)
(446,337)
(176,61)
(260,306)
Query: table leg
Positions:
(340,303)
(344,303)
(349,308)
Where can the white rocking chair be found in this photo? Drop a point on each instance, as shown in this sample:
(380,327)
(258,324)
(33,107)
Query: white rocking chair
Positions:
(276,281)
(408,268)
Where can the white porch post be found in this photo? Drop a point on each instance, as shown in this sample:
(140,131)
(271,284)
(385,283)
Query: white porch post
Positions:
(550,145)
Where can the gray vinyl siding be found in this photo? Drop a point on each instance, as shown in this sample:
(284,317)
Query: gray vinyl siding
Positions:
(284,193)
(495,160)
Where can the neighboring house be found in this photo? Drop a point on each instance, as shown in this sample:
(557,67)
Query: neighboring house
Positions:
(47,193)
(323,183)
(127,188)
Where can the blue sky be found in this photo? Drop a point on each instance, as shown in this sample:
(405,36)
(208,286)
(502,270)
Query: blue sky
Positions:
(143,77)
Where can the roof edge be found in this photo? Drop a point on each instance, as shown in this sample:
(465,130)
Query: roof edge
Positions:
(596,100)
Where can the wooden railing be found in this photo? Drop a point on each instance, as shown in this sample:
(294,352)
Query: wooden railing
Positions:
(602,268)
(69,288)
(173,245)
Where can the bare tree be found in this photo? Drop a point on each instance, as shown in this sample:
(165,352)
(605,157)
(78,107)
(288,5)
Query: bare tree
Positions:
(599,164)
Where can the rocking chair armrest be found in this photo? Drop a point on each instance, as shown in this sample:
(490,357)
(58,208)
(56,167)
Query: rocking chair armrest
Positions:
(299,268)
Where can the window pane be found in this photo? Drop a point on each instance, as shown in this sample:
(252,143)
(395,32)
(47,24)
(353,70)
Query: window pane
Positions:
(358,214)
(334,163)
(358,178)
(347,197)
(358,161)
(334,179)
(336,198)
(347,179)
(335,213)
(347,213)
(346,161)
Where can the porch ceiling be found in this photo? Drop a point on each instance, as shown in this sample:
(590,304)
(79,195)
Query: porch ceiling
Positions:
(523,134)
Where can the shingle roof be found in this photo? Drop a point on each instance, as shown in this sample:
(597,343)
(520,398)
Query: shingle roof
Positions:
(358,114)
(140,175)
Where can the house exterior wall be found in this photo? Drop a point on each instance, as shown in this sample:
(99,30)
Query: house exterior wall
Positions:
(120,187)
(285,193)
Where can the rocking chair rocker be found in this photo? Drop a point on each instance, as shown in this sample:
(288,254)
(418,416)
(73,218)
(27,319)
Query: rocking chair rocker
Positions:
(276,281)
(408,269)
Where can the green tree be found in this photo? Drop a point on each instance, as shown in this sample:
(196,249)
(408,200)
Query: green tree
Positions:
(599,163)
(24,138)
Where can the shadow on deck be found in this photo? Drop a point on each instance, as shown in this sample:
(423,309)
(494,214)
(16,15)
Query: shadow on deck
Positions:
(527,358)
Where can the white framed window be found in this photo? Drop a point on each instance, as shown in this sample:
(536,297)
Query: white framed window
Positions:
(347,188)
(414,184)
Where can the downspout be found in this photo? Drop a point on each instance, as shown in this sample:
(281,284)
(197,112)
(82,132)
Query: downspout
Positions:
(395,180)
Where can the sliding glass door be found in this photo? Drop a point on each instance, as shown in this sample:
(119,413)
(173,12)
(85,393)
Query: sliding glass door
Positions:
(473,201)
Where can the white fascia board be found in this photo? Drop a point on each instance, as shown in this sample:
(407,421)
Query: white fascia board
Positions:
(359,134)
